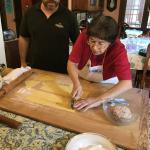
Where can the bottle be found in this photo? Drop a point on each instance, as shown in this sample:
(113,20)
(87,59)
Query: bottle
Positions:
(1,81)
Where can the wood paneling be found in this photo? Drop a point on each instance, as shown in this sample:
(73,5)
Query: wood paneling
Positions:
(25,4)
(86,5)
(12,53)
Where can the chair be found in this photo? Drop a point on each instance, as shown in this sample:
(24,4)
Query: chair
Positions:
(142,77)
(122,28)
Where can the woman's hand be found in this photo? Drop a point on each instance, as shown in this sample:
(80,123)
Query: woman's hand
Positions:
(73,73)
(76,92)
(85,104)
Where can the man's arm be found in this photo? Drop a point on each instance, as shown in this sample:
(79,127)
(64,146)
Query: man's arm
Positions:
(74,28)
(23,48)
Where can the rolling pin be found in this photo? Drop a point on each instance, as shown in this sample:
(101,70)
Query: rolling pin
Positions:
(10,122)
(5,89)
(8,87)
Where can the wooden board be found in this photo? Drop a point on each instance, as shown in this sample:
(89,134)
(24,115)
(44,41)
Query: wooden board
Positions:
(45,96)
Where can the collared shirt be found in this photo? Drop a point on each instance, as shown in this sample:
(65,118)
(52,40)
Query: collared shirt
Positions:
(115,64)
(49,37)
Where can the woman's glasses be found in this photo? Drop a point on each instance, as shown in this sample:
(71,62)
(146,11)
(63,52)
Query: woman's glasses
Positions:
(92,41)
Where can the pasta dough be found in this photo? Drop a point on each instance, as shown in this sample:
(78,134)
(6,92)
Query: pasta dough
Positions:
(120,112)
(93,147)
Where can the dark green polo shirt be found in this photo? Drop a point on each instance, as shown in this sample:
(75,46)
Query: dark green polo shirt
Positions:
(49,38)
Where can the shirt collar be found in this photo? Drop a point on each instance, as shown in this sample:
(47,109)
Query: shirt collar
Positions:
(38,7)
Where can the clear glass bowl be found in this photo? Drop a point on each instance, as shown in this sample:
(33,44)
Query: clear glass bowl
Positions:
(107,107)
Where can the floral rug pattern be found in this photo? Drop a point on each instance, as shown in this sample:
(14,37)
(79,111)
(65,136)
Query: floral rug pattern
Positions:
(32,135)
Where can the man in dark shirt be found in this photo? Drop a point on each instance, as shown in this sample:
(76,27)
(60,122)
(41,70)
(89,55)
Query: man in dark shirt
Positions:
(44,36)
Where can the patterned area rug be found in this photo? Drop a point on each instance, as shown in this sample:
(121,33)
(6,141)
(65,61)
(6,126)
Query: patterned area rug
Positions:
(32,135)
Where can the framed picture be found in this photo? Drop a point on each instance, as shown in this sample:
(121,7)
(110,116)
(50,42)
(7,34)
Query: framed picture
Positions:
(111,5)
(9,7)
(93,2)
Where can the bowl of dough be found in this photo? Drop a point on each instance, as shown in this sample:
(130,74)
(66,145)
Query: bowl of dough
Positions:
(120,111)
(89,141)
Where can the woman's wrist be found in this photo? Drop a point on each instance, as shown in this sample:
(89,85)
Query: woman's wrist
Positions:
(102,99)
(76,83)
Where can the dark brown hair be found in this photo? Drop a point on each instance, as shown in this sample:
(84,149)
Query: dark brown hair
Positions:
(104,28)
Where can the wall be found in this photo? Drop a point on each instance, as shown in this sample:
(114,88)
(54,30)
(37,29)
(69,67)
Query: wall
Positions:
(70,4)
(115,13)
(2,50)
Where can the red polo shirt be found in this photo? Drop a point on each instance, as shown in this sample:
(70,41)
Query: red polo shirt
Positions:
(115,62)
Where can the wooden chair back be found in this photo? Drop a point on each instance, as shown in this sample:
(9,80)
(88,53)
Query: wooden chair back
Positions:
(122,28)
(145,76)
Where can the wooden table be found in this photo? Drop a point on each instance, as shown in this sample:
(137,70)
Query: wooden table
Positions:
(22,101)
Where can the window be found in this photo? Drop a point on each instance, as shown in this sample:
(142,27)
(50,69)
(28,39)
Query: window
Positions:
(148,24)
(137,14)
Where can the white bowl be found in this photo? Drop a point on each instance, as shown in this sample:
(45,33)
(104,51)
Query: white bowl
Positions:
(87,139)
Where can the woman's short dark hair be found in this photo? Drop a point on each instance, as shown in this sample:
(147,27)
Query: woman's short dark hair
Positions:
(104,28)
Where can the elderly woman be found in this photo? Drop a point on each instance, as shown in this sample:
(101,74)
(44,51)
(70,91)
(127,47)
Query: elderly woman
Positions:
(96,56)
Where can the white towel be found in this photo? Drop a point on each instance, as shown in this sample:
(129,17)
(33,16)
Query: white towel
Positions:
(113,80)
(15,74)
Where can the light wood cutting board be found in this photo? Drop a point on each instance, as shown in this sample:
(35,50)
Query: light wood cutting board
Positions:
(45,96)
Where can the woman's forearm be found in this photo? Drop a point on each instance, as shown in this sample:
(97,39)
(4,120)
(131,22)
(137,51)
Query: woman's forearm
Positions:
(90,76)
(116,90)
(73,72)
